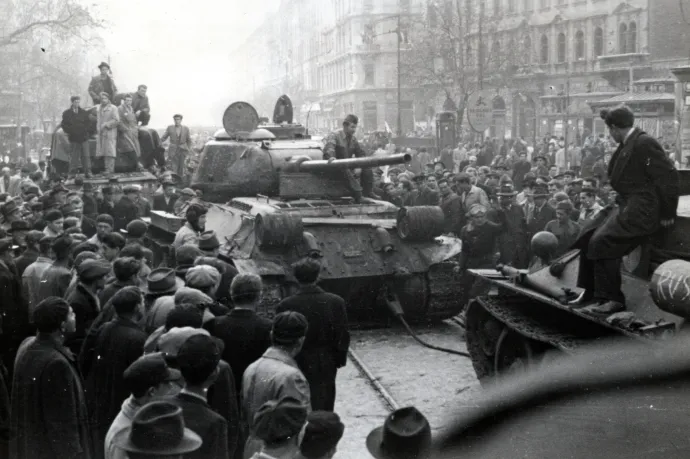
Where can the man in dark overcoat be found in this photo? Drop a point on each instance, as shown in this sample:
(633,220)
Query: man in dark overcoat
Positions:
(513,242)
(539,212)
(77,125)
(14,306)
(126,208)
(48,417)
(166,201)
(451,204)
(327,340)
(647,184)
(104,358)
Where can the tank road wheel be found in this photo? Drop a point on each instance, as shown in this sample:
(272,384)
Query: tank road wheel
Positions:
(513,354)
(482,332)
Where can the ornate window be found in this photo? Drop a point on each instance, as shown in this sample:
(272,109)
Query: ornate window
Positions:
(544,50)
(632,38)
(598,42)
(561,47)
(579,45)
(622,39)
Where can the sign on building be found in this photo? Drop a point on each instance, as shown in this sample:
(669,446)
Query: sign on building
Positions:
(480,110)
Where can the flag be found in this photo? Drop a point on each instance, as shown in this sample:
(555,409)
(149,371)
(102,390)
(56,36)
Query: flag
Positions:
(388,128)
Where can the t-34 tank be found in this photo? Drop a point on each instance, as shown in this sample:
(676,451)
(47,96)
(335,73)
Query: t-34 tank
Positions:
(528,316)
(272,200)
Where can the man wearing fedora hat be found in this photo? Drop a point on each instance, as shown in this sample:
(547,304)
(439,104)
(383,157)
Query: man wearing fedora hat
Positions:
(405,434)
(102,83)
(161,282)
(158,431)
(10,213)
(538,213)
(513,241)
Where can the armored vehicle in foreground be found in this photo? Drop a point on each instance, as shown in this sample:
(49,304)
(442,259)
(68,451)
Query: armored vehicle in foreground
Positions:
(528,315)
(272,200)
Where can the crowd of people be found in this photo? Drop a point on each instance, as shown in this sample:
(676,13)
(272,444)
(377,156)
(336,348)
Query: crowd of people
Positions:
(105,355)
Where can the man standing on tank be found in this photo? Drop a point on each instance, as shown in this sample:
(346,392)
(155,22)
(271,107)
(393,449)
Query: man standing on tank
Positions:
(342,144)
(180,145)
(647,184)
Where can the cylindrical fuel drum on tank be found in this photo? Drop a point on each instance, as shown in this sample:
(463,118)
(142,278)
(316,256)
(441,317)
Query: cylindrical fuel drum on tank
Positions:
(670,287)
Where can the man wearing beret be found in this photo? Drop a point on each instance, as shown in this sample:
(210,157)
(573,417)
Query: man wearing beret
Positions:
(327,340)
(102,83)
(278,424)
(180,146)
(647,184)
(77,125)
(342,144)
(276,374)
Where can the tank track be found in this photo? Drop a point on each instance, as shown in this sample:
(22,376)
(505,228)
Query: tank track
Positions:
(506,309)
(444,291)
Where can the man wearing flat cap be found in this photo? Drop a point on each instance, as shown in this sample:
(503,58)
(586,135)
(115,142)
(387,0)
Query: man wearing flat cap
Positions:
(275,374)
(563,227)
(342,144)
(166,201)
(180,146)
(77,125)
(647,184)
(102,83)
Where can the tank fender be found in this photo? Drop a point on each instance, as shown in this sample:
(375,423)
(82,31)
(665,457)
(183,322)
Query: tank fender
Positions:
(260,267)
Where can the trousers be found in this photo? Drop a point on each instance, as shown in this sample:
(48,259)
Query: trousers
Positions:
(177,161)
(602,278)
(80,155)
(109,163)
(144,118)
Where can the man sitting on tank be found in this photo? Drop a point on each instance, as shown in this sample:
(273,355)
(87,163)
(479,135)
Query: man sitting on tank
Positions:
(647,186)
(342,144)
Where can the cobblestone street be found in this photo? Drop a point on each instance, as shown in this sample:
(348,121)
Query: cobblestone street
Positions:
(438,384)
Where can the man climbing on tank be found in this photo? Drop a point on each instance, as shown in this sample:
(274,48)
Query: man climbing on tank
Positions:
(342,144)
(647,186)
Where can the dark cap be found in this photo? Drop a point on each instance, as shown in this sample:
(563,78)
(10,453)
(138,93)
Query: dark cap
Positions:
(106,218)
(59,188)
(148,371)
(177,115)
(107,190)
(208,240)
(564,205)
(279,420)
(137,228)
(8,208)
(91,270)
(52,215)
(321,434)
(36,206)
(88,186)
(288,327)
(104,64)
(34,237)
(195,211)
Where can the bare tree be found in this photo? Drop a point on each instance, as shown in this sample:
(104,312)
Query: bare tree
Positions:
(60,18)
(445,51)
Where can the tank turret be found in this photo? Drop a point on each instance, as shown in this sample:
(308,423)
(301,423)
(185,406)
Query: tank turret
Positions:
(248,159)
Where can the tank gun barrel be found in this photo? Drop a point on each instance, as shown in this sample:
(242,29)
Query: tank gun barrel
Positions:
(354,163)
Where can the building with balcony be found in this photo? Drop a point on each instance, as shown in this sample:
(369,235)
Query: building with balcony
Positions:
(576,53)
(332,57)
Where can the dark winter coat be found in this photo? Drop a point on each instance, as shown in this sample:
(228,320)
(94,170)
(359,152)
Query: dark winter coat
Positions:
(246,337)
(513,241)
(206,423)
(326,344)
(86,308)
(453,213)
(647,184)
(160,204)
(13,308)
(54,282)
(124,212)
(49,416)
(77,126)
(103,359)
(25,259)
(538,218)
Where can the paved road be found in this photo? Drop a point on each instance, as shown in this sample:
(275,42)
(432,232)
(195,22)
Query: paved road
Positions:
(438,384)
